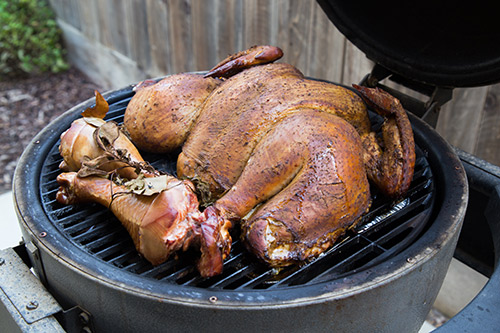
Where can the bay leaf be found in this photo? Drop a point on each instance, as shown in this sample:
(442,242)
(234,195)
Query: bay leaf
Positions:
(99,110)
(107,133)
(93,121)
(151,185)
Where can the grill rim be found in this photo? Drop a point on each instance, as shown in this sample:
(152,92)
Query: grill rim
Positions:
(451,202)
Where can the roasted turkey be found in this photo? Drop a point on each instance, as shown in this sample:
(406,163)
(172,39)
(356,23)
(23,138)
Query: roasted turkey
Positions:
(286,157)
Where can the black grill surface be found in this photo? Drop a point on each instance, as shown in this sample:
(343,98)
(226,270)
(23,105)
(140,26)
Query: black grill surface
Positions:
(388,228)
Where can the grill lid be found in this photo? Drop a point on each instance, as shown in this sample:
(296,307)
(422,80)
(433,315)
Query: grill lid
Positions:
(442,43)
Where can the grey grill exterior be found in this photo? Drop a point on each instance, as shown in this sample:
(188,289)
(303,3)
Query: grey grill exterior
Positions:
(391,265)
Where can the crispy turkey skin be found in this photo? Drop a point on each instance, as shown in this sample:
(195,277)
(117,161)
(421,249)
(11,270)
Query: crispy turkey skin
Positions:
(287,158)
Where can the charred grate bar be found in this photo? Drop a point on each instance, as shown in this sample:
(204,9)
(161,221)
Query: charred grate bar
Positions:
(385,230)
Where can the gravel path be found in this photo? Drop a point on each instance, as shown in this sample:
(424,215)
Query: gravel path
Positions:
(28,105)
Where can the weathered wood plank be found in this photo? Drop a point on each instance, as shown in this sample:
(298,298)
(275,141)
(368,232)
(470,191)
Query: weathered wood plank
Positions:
(460,119)
(71,12)
(158,33)
(309,60)
(488,142)
(180,32)
(89,19)
(280,14)
(228,18)
(327,49)
(237,26)
(356,65)
(294,21)
(102,14)
(256,22)
(117,28)
(108,68)
(67,10)
(205,32)
(136,25)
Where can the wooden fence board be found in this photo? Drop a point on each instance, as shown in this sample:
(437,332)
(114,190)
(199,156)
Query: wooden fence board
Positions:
(204,34)
(158,37)
(67,10)
(256,22)
(356,65)
(70,12)
(136,27)
(460,119)
(488,142)
(90,26)
(327,44)
(294,23)
(104,23)
(180,35)
(228,16)
(116,26)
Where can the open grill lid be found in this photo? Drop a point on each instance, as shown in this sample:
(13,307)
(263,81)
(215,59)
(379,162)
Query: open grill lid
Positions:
(440,43)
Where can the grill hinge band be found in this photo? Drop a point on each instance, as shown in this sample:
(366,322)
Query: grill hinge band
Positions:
(25,304)
(428,110)
(36,261)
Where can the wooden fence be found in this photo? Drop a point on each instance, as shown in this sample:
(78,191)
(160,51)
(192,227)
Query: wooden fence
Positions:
(119,42)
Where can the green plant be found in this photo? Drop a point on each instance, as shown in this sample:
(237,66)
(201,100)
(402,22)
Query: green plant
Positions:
(30,40)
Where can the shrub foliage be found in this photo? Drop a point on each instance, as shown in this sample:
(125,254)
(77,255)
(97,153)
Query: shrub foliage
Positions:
(30,40)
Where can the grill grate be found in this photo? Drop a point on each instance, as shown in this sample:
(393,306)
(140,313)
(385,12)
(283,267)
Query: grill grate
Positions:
(384,231)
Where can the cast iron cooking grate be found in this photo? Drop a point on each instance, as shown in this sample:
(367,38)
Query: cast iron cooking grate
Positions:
(387,228)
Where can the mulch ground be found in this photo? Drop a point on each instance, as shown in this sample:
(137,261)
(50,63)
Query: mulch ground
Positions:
(29,104)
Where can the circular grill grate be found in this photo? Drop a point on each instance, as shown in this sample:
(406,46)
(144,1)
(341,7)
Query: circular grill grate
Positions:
(385,230)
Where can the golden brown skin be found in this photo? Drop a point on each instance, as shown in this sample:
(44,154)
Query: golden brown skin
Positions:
(169,109)
(241,153)
(311,184)
(239,112)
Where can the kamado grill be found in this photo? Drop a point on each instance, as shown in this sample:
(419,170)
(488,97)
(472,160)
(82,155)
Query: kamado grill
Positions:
(383,276)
